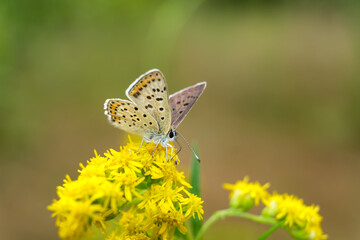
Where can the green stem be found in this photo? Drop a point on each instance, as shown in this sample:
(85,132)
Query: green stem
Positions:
(189,233)
(221,214)
(270,231)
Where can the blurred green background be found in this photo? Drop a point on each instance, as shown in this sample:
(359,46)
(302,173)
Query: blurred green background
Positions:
(282,102)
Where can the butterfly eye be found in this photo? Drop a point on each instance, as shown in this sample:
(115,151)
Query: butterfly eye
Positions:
(171,134)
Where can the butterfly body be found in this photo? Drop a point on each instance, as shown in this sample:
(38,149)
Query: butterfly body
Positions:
(151,113)
(161,138)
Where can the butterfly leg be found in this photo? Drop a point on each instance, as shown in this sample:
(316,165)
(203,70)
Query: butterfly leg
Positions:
(166,154)
(172,150)
(142,141)
(180,147)
(155,148)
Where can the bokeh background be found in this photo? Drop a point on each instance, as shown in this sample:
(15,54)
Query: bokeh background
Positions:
(282,103)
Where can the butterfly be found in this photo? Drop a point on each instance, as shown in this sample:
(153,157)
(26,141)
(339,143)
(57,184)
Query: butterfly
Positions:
(152,113)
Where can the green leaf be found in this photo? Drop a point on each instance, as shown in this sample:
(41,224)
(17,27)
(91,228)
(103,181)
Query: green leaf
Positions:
(271,230)
(179,235)
(195,224)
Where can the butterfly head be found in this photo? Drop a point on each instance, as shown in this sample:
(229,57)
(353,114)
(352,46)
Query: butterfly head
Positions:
(165,139)
(172,135)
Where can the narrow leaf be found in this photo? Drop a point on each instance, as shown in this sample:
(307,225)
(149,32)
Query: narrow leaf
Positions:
(195,183)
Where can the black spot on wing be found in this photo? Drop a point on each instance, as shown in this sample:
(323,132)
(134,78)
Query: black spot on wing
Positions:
(148,106)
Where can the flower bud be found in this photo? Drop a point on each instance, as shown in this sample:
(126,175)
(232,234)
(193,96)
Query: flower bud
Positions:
(241,201)
(269,210)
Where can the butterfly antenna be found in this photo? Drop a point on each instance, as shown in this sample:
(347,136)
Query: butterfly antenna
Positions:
(196,156)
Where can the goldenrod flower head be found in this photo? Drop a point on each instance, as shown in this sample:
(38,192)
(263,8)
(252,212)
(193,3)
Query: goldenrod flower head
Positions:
(165,220)
(145,194)
(316,233)
(245,194)
(304,222)
(289,208)
(193,205)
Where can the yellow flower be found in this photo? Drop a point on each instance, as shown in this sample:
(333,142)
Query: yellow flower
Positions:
(164,221)
(95,167)
(148,195)
(167,171)
(144,193)
(301,220)
(311,216)
(245,194)
(132,222)
(167,196)
(123,161)
(316,233)
(128,180)
(74,218)
(138,236)
(289,208)
(193,204)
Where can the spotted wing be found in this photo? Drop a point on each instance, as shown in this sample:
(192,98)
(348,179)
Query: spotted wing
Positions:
(182,101)
(150,93)
(127,116)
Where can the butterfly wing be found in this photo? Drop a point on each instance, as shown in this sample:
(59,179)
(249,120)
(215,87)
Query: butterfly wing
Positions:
(150,93)
(127,116)
(182,101)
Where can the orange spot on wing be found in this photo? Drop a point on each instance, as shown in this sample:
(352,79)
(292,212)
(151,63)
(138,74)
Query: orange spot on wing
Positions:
(138,87)
(133,92)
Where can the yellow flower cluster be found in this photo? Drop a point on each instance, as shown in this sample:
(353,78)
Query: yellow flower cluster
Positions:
(245,194)
(302,221)
(143,194)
